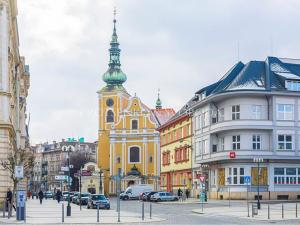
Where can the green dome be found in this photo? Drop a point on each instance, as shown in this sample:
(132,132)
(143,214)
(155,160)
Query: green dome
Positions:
(114,76)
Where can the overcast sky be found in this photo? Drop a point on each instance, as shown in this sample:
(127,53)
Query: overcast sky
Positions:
(177,46)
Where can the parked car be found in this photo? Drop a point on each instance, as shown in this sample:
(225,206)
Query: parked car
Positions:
(143,194)
(75,197)
(163,196)
(83,200)
(147,196)
(48,194)
(134,191)
(65,195)
(100,200)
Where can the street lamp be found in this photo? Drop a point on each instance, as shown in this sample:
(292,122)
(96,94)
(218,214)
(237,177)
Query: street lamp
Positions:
(68,150)
(258,160)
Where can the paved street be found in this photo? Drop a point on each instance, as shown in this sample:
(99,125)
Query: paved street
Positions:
(215,212)
(178,213)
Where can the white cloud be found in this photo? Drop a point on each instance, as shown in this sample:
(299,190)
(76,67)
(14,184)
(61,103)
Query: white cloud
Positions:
(177,46)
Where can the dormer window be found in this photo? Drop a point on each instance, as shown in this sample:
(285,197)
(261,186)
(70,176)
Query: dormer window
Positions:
(292,85)
(259,82)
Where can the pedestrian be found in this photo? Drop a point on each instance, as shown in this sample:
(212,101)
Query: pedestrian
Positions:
(9,197)
(41,196)
(187,193)
(58,195)
(179,193)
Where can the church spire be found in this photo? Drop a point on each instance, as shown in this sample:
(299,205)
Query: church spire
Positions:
(114,75)
(158,101)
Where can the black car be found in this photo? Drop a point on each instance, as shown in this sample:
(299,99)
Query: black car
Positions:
(100,200)
(83,200)
(147,196)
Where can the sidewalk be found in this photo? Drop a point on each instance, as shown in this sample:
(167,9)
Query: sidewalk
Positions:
(50,212)
(289,212)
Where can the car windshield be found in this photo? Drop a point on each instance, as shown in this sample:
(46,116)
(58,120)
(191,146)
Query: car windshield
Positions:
(168,194)
(84,195)
(76,194)
(98,197)
(65,193)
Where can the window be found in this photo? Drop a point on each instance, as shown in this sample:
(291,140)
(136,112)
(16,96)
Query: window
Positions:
(134,155)
(257,112)
(221,115)
(235,112)
(285,142)
(205,119)
(118,159)
(236,175)
(222,143)
(286,175)
(236,142)
(256,142)
(285,111)
(292,85)
(214,116)
(109,116)
(205,147)
(150,159)
(134,124)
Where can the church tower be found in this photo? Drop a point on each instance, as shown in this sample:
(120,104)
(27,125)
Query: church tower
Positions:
(128,142)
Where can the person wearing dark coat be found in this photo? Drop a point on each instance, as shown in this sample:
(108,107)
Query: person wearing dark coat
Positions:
(179,192)
(41,196)
(9,196)
(58,195)
(187,193)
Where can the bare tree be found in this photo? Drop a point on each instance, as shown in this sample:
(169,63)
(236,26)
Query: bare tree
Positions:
(16,158)
(78,159)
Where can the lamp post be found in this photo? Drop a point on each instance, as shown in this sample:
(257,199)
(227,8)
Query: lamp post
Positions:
(68,150)
(258,160)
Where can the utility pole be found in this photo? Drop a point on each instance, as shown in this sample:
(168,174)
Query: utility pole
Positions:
(69,206)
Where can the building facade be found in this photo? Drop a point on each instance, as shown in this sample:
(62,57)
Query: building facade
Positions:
(50,157)
(251,114)
(14,85)
(128,143)
(176,153)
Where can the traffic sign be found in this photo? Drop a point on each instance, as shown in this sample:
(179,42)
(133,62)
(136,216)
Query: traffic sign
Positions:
(202,178)
(19,171)
(202,185)
(64,168)
(247,179)
(61,177)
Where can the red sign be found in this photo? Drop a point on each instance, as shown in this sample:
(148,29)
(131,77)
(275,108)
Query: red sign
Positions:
(232,155)
(202,178)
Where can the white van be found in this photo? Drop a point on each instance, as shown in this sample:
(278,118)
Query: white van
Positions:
(134,191)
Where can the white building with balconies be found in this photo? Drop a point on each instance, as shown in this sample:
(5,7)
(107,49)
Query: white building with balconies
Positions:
(253,112)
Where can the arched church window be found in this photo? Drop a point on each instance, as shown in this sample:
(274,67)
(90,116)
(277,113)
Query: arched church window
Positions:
(134,154)
(110,116)
(134,124)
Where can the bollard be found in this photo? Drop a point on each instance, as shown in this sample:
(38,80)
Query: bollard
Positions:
(25,212)
(4,208)
(282,211)
(296,210)
(62,213)
(97,213)
(150,210)
(248,208)
(268,211)
(143,210)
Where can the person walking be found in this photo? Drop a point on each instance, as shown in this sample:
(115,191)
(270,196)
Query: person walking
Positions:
(58,195)
(179,193)
(187,193)
(9,197)
(41,196)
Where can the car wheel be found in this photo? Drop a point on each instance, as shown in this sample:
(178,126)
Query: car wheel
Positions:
(88,206)
(126,198)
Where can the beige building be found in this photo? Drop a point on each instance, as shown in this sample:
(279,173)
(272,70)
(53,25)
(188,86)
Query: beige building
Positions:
(14,85)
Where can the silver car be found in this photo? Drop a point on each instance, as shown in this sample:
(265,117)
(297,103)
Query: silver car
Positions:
(163,196)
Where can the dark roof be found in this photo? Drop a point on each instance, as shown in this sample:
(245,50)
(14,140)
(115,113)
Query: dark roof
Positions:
(268,75)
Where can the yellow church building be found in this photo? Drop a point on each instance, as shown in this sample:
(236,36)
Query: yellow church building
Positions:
(129,144)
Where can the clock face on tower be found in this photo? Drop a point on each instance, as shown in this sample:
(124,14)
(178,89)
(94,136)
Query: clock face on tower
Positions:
(109,102)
